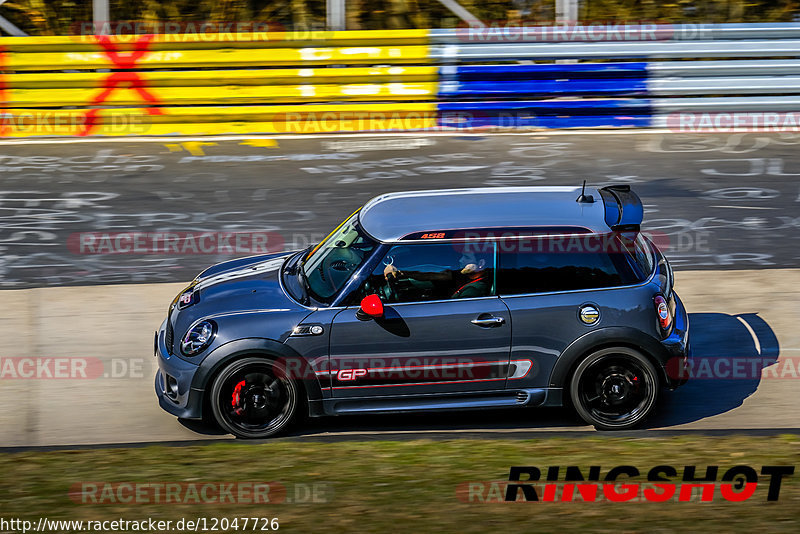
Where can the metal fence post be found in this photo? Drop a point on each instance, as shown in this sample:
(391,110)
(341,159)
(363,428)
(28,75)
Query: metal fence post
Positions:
(100,15)
(567,11)
(9,28)
(335,11)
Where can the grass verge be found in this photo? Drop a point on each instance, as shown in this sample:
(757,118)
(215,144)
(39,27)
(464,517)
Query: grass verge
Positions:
(406,486)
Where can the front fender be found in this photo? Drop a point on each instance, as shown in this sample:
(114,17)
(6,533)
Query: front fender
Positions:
(297,366)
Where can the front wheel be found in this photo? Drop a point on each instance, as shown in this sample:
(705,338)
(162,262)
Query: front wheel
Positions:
(253,398)
(614,388)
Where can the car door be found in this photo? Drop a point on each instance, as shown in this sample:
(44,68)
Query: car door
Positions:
(443,329)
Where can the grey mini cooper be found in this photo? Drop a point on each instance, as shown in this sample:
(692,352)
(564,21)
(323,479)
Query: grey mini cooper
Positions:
(435,300)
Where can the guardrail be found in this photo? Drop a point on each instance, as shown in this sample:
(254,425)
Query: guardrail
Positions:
(517,78)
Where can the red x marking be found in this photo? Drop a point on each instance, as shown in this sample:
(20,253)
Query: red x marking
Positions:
(129,77)
(3,92)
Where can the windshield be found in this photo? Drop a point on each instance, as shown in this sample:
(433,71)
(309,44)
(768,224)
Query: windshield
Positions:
(329,266)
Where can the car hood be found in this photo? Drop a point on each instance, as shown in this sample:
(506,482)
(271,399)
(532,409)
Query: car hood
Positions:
(249,284)
(235,288)
(240,264)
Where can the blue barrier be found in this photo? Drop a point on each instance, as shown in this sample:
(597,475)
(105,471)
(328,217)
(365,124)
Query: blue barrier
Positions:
(544,71)
(546,114)
(512,89)
(641,82)
(551,107)
(511,85)
(576,121)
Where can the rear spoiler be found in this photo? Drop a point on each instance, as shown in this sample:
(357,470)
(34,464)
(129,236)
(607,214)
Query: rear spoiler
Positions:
(624,209)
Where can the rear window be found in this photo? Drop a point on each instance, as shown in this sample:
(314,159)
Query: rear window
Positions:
(571,263)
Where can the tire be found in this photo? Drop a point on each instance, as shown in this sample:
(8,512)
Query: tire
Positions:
(253,398)
(614,388)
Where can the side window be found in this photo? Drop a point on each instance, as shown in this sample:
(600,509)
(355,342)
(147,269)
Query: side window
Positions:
(642,256)
(440,271)
(549,266)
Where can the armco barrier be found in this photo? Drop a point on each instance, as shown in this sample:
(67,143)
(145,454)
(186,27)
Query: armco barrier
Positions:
(457,79)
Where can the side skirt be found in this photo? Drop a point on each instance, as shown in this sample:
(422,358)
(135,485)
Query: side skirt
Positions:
(429,403)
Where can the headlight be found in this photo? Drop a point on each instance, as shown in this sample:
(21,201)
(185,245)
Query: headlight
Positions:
(198,338)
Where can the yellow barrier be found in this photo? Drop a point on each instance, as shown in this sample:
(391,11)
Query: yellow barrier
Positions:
(215,120)
(171,59)
(196,78)
(237,94)
(232,128)
(221,113)
(232,83)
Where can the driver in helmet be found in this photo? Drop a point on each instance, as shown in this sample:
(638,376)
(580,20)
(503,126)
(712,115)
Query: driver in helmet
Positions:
(471,280)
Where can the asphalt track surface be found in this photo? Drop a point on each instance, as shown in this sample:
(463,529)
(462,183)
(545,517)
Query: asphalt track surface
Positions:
(720,201)
(726,205)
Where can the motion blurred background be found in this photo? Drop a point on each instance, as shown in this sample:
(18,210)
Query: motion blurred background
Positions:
(185,135)
(57,17)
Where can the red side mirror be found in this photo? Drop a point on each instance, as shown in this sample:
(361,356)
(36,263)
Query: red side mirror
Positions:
(371,308)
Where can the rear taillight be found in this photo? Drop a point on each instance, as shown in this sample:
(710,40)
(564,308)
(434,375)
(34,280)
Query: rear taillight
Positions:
(662,310)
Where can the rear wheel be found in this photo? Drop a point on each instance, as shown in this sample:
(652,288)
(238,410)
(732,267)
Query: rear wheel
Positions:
(614,388)
(253,398)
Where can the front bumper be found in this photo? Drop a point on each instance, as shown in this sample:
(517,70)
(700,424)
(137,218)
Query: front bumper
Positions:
(678,348)
(173,382)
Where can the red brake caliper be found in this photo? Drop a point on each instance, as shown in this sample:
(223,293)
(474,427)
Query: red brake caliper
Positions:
(235,398)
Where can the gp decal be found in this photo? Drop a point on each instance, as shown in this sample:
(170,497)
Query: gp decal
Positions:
(521,370)
(351,374)
(128,76)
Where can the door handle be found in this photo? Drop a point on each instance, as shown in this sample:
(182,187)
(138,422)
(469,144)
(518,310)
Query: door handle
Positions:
(488,322)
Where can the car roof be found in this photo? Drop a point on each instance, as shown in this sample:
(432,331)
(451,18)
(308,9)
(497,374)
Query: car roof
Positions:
(392,216)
